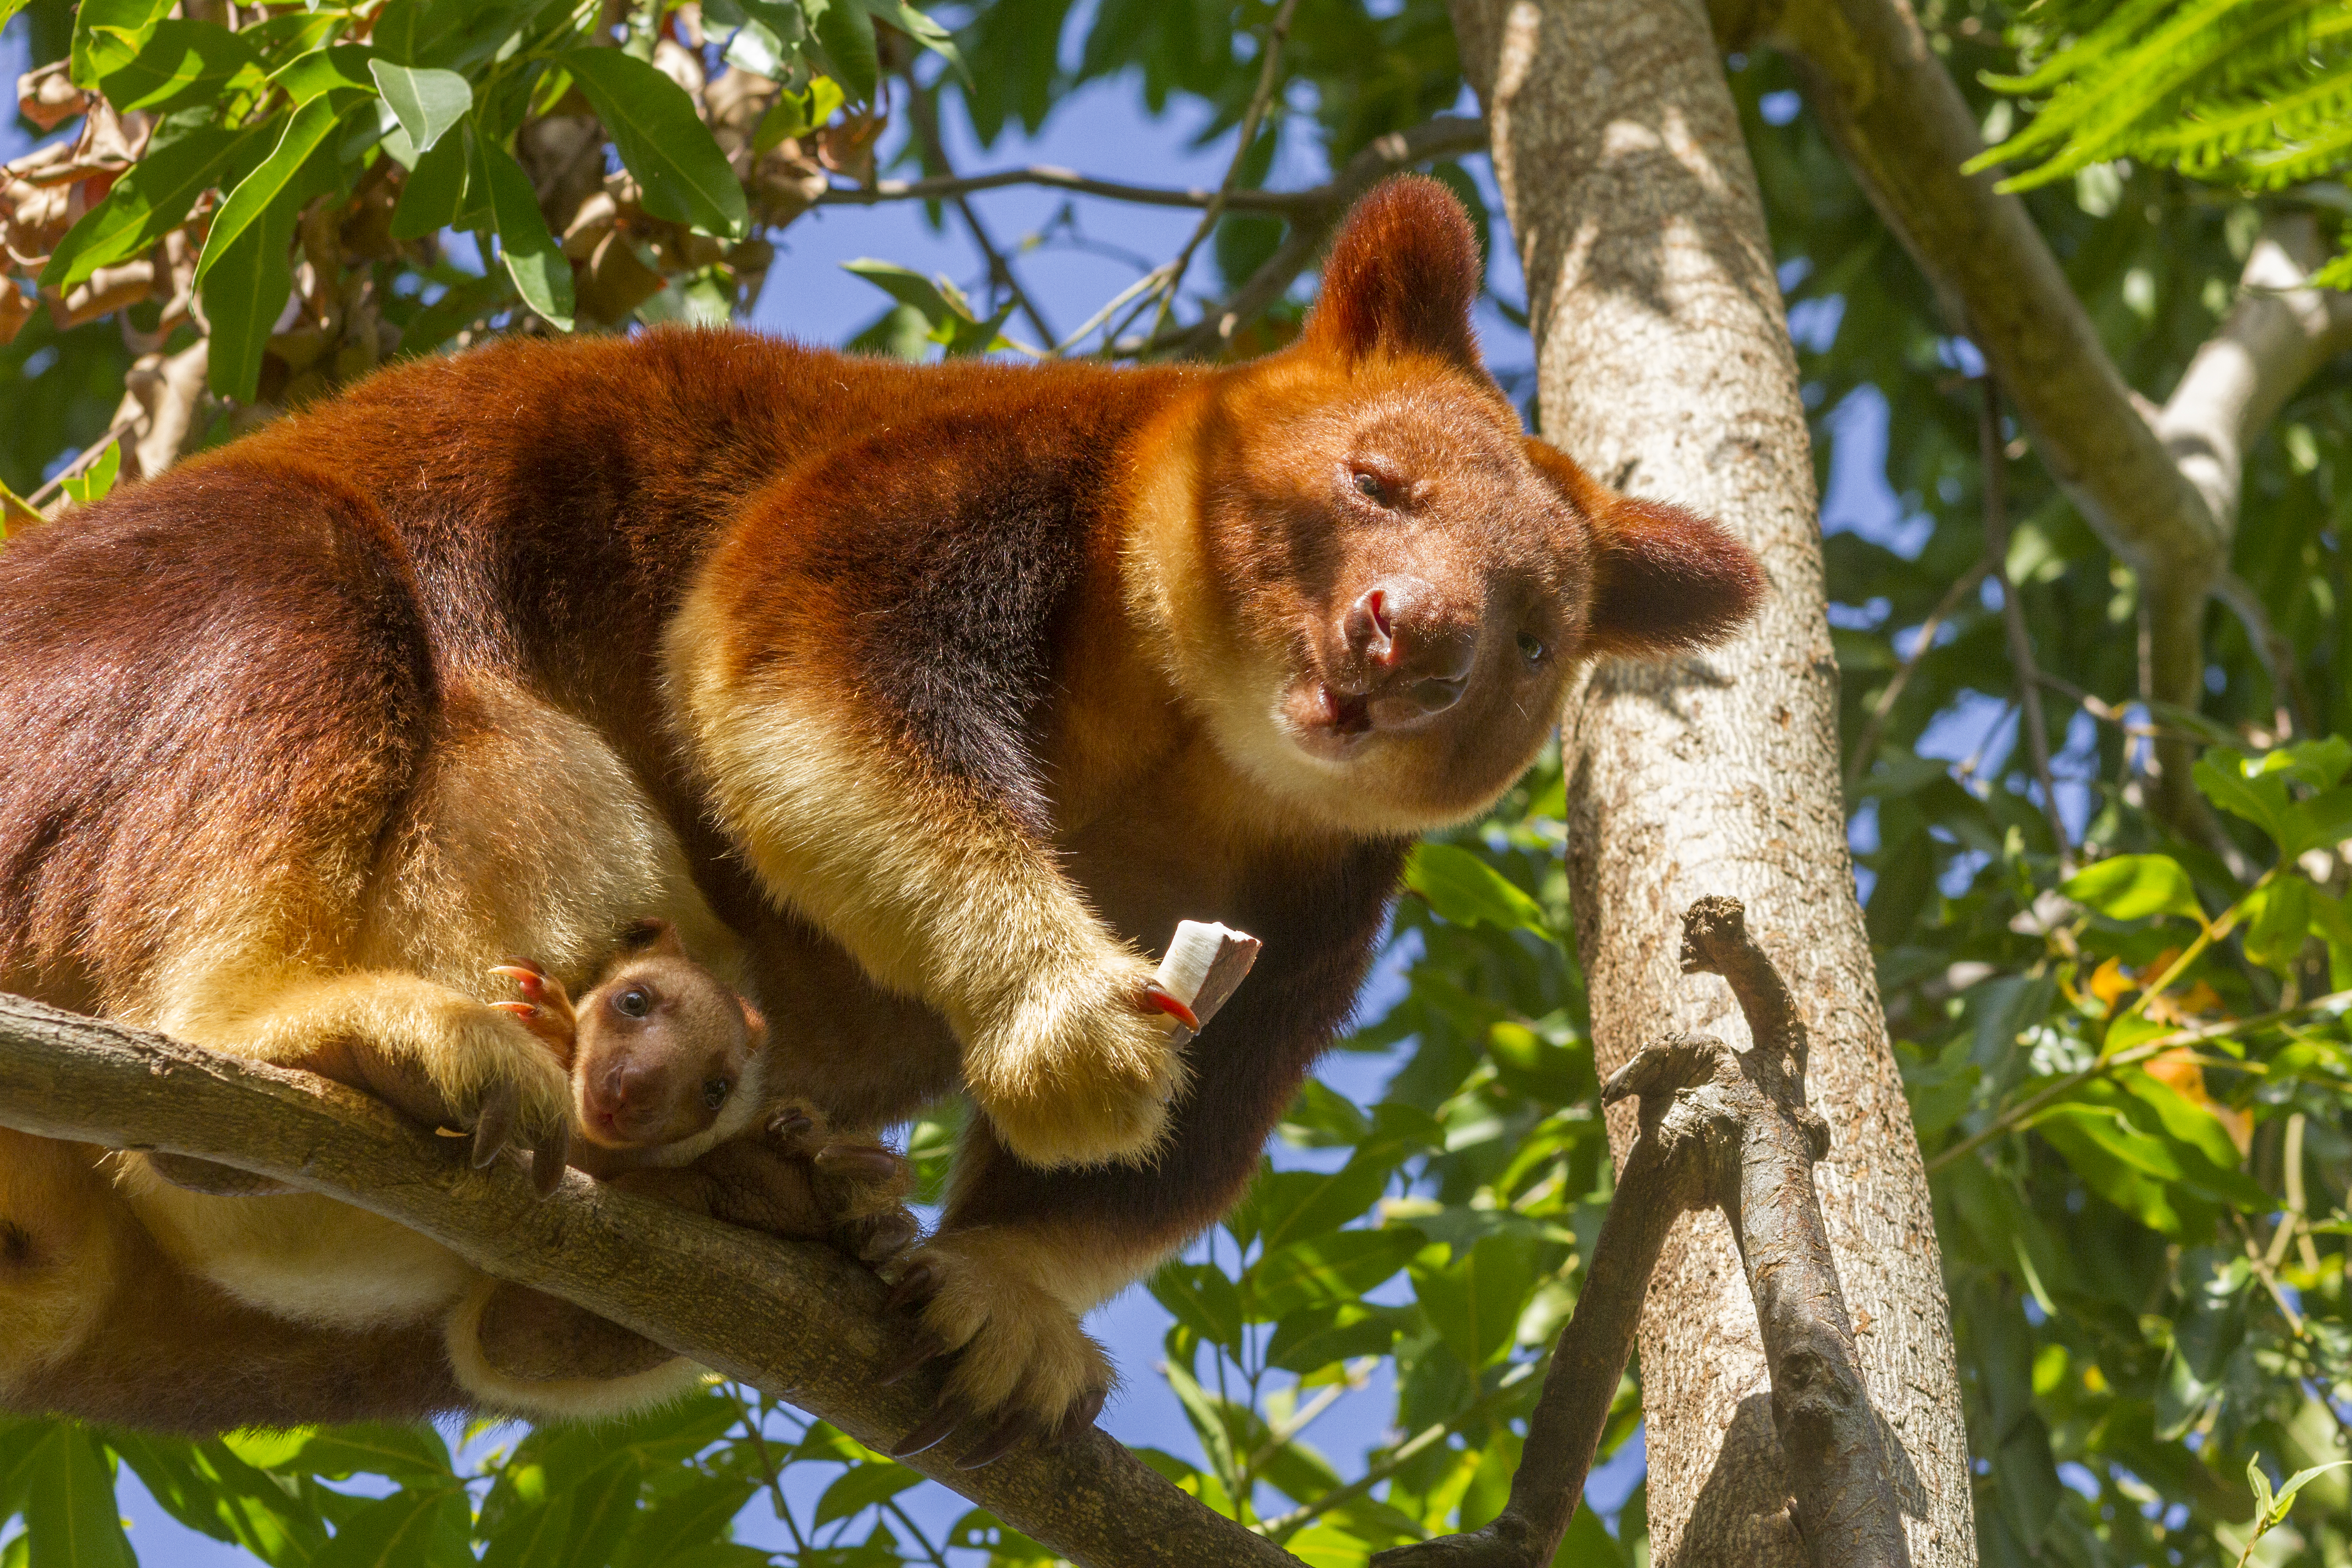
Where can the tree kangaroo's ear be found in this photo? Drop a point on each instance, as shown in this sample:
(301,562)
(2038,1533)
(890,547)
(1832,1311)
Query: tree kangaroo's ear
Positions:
(1664,579)
(1401,277)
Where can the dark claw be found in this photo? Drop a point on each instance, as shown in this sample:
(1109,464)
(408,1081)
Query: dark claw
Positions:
(856,1162)
(494,1127)
(913,1286)
(887,1235)
(942,1421)
(791,1122)
(926,1347)
(1079,1417)
(1010,1434)
(547,1159)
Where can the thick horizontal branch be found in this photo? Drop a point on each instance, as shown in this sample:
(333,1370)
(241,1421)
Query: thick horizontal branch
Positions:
(796,1321)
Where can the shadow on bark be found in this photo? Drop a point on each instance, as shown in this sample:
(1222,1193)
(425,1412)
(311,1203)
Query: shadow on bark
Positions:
(1727,1128)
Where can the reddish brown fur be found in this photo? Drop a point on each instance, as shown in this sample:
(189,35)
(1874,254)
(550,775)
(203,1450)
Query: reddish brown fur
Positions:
(236,670)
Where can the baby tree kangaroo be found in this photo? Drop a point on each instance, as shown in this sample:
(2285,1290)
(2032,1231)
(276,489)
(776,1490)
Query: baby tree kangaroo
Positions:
(923,702)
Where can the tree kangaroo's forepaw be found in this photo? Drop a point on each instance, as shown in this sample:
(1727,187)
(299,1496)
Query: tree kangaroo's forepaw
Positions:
(1082,1071)
(797,1180)
(1023,1370)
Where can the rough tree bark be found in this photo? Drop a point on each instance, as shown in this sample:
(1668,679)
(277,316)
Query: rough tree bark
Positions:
(1665,365)
(797,1320)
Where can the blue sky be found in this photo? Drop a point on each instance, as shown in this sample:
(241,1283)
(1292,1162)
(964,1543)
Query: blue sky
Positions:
(1105,131)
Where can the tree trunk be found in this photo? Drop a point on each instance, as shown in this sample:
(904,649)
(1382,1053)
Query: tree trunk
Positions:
(1665,366)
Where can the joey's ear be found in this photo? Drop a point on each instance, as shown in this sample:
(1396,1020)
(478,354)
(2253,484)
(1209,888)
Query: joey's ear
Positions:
(1401,276)
(653,935)
(755,1027)
(1663,579)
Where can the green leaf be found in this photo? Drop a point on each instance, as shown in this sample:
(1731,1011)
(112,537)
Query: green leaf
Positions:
(404,1453)
(2133,887)
(438,193)
(531,1537)
(280,185)
(1325,1270)
(69,1510)
(1466,890)
(924,31)
(541,272)
(2280,914)
(2223,777)
(178,63)
(93,483)
(941,304)
(243,297)
(427,103)
(604,1505)
(862,1486)
(1199,1297)
(1206,1413)
(2323,820)
(398,1531)
(2296,1482)
(340,68)
(123,22)
(147,203)
(1475,1300)
(211,1490)
(684,175)
(844,31)
(695,1515)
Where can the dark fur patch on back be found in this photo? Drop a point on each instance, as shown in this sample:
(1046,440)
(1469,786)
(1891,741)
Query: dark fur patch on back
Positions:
(16,1245)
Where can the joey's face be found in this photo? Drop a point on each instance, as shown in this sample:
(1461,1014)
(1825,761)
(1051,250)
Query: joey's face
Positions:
(1376,586)
(664,1052)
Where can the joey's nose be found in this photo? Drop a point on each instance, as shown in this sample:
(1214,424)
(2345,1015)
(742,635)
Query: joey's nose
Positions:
(628,1097)
(1417,655)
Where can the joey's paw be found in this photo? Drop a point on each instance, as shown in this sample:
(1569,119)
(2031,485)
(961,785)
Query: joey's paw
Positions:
(797,1180)
(1082,1070)
(545,1008)
(1021,1370)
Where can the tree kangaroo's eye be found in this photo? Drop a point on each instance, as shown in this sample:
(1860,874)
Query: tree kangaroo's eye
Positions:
(634,1003)
(1531,647)
(715,1092)
(1370,485)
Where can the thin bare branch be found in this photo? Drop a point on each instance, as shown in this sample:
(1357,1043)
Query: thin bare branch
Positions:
(2012,614)
(1865,745)
(923,111)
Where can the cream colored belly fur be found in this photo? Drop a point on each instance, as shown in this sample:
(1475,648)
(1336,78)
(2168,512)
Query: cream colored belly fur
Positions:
(527,836)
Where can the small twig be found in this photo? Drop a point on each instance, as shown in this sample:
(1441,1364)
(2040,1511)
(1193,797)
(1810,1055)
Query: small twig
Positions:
(2012,612)
(76,469)
(923,112)
(947,187)
(1865,745)
(2025,1110)
(1277,35)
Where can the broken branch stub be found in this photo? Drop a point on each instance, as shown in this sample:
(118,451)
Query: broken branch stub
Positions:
(1731,1130)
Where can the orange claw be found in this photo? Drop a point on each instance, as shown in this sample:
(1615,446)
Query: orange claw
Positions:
(529,981)
(523,1010)
(1157,998)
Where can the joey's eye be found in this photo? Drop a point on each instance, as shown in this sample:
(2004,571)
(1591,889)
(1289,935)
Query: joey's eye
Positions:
(634,1003)
(715,1092)
(1531,647)
(1368,484)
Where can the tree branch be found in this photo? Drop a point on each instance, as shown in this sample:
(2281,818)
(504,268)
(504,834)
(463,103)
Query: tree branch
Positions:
(2161,488)
(796,1321)
(1731,1130)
